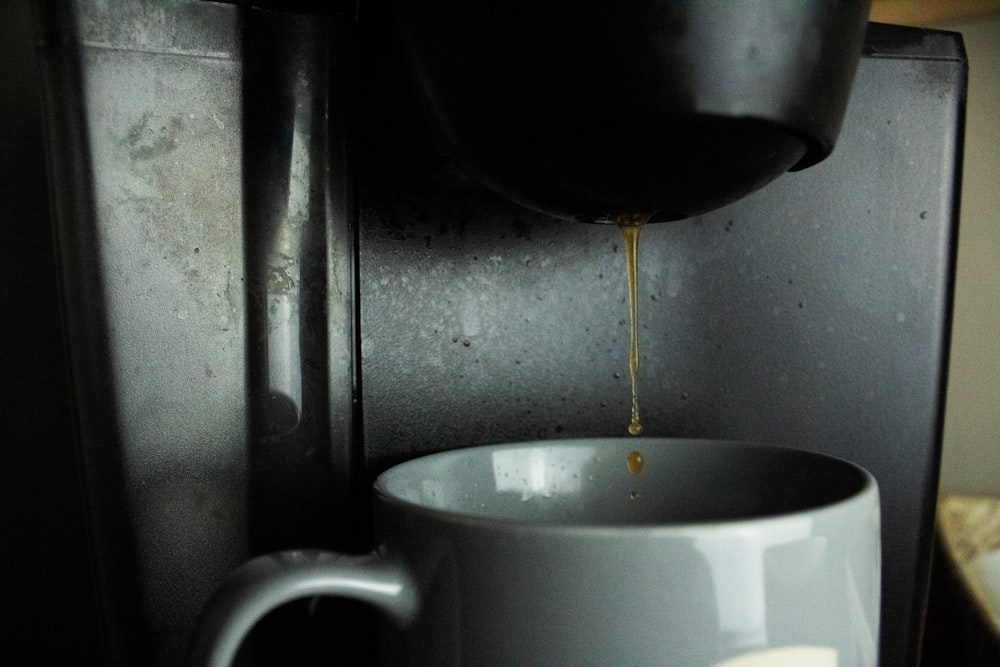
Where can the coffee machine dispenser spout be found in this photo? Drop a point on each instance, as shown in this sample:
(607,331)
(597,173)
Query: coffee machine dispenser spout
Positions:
(678,106)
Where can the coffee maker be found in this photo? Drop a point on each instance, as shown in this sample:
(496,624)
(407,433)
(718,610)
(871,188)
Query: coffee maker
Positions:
(277,282)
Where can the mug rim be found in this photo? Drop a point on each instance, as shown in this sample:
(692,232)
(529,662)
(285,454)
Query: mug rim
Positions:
(866,492)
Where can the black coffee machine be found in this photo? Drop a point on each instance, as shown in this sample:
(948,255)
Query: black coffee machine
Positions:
(290,261)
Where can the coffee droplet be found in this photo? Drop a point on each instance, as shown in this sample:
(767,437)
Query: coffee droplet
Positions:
(635,463)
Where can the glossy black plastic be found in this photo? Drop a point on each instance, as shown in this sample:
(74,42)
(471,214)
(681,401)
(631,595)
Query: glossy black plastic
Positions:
(677,107)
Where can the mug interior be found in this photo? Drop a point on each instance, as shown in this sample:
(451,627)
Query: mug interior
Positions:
(622,481)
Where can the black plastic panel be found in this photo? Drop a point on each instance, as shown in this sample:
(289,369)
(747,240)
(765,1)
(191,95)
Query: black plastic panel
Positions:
(814,313)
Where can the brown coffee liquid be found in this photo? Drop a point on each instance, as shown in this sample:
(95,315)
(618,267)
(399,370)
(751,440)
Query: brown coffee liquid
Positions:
(635,462)
(630,225)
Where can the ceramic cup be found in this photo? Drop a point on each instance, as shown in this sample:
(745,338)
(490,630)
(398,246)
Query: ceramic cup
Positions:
(602,551)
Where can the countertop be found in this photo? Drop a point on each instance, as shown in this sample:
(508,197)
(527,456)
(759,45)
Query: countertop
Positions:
(963,620)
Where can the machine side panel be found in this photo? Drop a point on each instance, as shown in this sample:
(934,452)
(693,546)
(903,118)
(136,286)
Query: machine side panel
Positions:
(145,157)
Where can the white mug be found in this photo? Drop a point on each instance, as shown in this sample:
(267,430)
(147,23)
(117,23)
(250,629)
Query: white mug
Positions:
(634,551)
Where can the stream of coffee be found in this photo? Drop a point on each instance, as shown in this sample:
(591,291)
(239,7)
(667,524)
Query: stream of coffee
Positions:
(630,225)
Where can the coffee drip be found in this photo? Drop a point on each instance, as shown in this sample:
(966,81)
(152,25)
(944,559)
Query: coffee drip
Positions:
(630,225)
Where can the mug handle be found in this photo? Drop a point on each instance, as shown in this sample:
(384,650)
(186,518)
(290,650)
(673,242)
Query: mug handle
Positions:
(264,583)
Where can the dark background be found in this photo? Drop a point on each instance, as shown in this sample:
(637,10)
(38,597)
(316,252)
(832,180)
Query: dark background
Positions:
(46,594)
